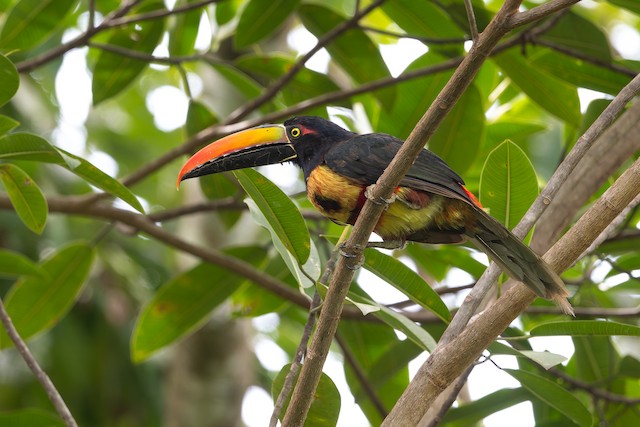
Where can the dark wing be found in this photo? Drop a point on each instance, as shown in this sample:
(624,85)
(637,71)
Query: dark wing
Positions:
(364,158)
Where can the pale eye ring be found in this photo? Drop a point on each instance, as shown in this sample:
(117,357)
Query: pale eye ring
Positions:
(295,132)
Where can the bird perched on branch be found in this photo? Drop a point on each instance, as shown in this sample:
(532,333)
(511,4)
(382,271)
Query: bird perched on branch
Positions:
(430,205)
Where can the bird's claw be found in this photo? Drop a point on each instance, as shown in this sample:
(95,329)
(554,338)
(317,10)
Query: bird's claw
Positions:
(368,193)
(355,252)
(388,244)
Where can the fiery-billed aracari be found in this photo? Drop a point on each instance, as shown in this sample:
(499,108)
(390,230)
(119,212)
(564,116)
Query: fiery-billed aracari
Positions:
(430,205)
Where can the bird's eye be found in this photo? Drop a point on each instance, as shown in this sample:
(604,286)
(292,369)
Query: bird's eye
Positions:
(295,132)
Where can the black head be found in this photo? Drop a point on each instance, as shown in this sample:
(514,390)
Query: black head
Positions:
(312,137)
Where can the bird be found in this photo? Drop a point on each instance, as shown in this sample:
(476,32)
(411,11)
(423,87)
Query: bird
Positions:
(430,204)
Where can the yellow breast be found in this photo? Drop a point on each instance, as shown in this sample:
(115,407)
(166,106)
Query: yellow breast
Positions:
(335,196)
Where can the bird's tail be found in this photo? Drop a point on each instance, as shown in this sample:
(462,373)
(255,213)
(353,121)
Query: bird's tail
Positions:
(518,260)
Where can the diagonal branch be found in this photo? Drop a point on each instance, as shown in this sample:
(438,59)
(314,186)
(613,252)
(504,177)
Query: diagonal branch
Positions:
(447,362)
(353,249)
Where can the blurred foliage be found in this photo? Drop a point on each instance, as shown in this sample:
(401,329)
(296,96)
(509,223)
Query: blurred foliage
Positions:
(98,107)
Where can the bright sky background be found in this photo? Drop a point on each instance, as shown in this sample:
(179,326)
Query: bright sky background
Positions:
(169,107)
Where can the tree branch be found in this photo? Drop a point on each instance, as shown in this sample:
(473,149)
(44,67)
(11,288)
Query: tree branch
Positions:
(546,196)
(539,12)
(372,210)
(471,17)
(112,20)
(54,396)
(447,362)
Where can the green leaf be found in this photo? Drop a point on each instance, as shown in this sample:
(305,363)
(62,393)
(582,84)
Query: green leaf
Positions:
(508,184)
(281,213)
(226,10)
(439,259)
(400,322)
(580,34)
(554,395)
(458,138)
(630,367)
(183,32)
(9,78)
(384,359)
(577,72)
(421,19)
(25,196)
(183,304)
(325,405)
(30,417)
(397,321)
(7,124)
(26,146)
(199,117)
(543,358)
(356,54)
(96,177)
(306,84)
(515,130)
(584,328)
(36,304)
(406,281)
(306,274)
(15,264)
(631,5)
(243,83)
(457,144)
(595,360)
(472,413)
(549,92)
(260,19)
(114,72)
(31,21)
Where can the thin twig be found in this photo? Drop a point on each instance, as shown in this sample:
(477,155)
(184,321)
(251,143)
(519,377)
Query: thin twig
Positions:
(471,17)
(145,57)
(92,15)
(539,12)
(54,396)
(593,390)
(301,351)
(113,20)
(368,388)
(228,203)
(160,13)
(584,57)
(423,39)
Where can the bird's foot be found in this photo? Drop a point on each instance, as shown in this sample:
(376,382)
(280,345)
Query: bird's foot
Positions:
(368,193)
(388,244)
(353,255)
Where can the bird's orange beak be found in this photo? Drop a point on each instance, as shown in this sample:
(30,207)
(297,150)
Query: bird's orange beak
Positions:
(262,145)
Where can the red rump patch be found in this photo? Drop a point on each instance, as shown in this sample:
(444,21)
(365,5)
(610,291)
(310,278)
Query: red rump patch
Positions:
(416,199)
(471,196)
